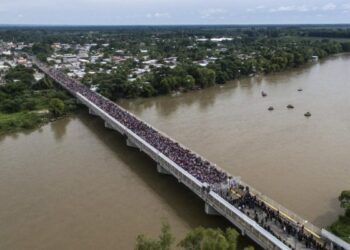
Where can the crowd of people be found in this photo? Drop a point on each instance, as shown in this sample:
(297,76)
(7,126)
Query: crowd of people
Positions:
(201,169)
(270,219)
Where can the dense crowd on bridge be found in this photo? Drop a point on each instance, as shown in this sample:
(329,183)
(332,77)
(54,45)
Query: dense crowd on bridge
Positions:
(272,221)
(201,169)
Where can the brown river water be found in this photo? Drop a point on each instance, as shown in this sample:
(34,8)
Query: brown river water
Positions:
(75,185)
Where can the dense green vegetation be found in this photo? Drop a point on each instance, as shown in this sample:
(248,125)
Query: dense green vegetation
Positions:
(25,103)
(160,81)
(252,50)
(341,227)
(329,33)
(196,239)
(19,120)
(42,50)
(243,58)
(199,62)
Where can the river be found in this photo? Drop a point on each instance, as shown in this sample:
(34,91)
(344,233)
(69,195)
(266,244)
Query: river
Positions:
(303,163)
(75,185)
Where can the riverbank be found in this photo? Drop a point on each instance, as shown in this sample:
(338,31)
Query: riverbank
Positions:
(11,123)
(341,227)
(231,126)
(22,104)
(241,77)
(28,104)
(26,121)
(31,118)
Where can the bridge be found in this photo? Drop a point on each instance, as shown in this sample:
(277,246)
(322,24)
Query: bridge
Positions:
(260,218)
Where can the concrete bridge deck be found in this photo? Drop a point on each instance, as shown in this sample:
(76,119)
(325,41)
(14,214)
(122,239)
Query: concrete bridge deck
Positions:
(269,235)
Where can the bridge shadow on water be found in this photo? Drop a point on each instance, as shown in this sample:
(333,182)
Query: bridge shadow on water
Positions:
(185,203)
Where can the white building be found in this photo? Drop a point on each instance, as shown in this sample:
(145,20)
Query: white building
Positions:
(7,53)
(69,58)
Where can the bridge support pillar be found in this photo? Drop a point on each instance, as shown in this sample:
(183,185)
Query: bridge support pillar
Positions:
(210,210)
(130,143)
(108,126)
(162,170)
(91,112)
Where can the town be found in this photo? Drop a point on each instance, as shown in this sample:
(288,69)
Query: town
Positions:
(167,60)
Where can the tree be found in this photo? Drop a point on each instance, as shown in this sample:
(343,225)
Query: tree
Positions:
(29,104)
(165,237)
(163,242)
(214,240)
(10,106)
(188,82)
(341,227)
(45,83)
(249,248)
(344,199)
(232,238)
(221,77)
(210,239)
(42,50)
(147,90)
(163,87)
(142,243)
(204,77)
(56,107)
(22,74)
(346,46)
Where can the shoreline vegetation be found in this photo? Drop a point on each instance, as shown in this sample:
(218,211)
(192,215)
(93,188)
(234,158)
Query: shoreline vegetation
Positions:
(195,239)
(27,104)
(188,76)
(341,227)
(129,62)
(36,110)
(229,239)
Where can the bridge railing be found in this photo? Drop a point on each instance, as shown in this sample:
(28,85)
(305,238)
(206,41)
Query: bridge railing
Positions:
(155,154)
(335,240)
(291,216)
(244,223)
(182,175)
